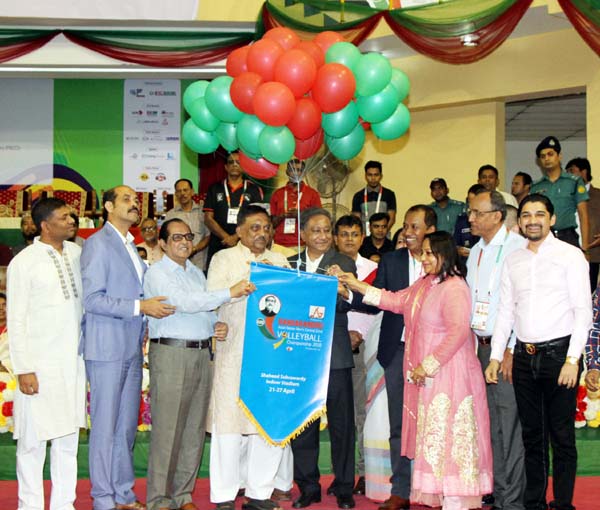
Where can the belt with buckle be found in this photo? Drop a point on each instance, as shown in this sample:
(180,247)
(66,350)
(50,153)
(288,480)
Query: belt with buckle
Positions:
(177,342)
(540,347)
(484,340)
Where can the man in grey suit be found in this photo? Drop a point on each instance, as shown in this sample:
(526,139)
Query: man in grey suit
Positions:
(113,330)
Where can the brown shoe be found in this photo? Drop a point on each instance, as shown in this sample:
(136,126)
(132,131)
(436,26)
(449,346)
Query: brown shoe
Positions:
(136,505)
(279,495)
(188,506)
(395,503)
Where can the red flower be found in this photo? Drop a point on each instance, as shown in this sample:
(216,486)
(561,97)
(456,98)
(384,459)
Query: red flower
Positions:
(2,386)
(7,409)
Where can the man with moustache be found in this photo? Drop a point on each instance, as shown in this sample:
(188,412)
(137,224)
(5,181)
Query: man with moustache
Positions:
(487,211)
(28,231)
(446,209)
(149,230)
(521,186)
(349,236)
(223,203)
(397,270)
(180,367)
(487,176)
(545,299)
(226,421)
(44,318)
(318,256)
(113,330)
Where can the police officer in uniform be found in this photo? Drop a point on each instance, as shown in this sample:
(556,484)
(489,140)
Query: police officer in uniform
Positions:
(567,193)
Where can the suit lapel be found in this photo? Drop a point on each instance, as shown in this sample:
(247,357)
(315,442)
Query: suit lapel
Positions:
(121,251)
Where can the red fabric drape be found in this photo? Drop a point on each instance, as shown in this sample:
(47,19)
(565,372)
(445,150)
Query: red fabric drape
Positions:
(451,50)
(16,50)
(355,35)
(157,58)
(589,32)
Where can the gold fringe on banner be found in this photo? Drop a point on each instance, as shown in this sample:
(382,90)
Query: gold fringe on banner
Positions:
(314,417)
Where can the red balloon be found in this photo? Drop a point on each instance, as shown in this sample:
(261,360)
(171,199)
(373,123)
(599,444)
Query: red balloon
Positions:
(307,148)
(297,70)
(325,39)
(274,103)
(366,125)
(334,87)
(285,37)
(262,57)
(306,119)
(242,90)
(258,168)
(236,61)
(314,50)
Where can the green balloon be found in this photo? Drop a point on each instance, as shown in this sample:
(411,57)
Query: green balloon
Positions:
(219,101)
(199,140)
(201,115)
(343,53)
(394,126)
(400,82)
(195,91)
(348,146)
(340,123)
(248,131)
(277,144)
(372,72)
(380,106)
(227,134)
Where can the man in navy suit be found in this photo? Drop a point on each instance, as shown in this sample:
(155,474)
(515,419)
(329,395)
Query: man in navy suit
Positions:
(113,330)
(316,231)
(398,270)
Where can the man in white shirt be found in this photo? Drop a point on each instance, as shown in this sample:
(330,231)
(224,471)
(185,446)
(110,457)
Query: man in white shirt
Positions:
(44,316)
(487,176)
(545,299)
(149,230)
(349,236)
(487,211)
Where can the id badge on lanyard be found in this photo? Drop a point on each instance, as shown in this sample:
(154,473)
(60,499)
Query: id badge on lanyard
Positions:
(289,226)
(480,315)
(232,214)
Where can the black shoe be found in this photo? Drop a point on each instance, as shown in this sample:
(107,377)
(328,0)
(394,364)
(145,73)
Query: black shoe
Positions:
(359,488)
(488,499)
(331,490)
(345,502)
(307,499)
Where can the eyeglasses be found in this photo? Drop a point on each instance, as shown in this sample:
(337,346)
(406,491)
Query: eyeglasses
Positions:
(349,235)
(149,229)
(180,237)
(479,214)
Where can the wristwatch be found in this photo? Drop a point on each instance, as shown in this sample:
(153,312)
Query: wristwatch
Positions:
(572,360)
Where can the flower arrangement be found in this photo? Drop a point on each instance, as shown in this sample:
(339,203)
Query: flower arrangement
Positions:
(8,385)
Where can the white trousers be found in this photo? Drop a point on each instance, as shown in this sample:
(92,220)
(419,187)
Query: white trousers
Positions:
(284,480)
(31,456)
(225,467)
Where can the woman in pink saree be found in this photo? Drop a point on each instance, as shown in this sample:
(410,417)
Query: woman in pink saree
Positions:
(445,422)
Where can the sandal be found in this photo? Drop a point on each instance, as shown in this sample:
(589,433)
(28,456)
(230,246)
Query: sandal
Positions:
(225,505)
(261,504)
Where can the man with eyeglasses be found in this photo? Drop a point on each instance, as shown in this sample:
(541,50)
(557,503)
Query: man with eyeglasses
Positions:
(149,232)
(180,366)
(376,244)
(189,211)
(545,300)
(487,212)
(349,236)
(223,203)
(319,255)
(287,200)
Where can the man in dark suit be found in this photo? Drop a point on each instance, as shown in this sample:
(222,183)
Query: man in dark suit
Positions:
(113,330)
(398,270)
(316,232)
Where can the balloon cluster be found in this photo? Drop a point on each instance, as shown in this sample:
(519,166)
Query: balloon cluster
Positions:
(283,97)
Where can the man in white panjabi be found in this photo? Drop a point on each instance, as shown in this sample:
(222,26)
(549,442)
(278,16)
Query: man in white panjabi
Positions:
(44,316)
(228,424)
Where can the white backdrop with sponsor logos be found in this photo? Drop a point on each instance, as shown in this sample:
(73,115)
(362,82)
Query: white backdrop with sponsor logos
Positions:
(151,134)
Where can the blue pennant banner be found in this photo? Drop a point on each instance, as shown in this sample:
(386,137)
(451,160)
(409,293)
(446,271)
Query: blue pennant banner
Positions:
(287,350)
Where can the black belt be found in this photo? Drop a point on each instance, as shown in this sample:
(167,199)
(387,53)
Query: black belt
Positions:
(484,340)
(541,347)
(177,342)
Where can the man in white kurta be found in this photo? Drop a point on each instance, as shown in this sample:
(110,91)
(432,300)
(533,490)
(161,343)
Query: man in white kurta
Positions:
(226,420)
(44,316)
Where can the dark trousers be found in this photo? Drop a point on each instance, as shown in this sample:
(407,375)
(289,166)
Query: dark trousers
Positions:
(547,412)
(340,420)
(594,267)
(394,383)
(568,235)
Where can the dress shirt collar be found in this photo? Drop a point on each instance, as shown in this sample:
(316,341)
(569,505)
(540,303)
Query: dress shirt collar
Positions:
(171,265)
(312,265)
(127,239)
(498,239)
(547,244)
(178,208)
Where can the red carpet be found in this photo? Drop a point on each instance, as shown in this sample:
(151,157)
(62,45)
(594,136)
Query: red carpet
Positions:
(587,495)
